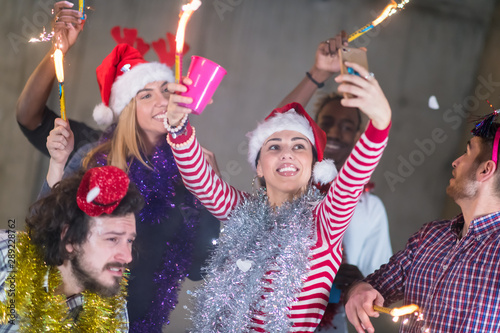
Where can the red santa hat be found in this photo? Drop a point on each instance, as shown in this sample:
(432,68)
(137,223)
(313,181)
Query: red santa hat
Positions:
(293,117)
(120,76)
(101,190)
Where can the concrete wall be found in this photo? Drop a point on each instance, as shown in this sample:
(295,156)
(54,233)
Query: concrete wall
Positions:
(431,48)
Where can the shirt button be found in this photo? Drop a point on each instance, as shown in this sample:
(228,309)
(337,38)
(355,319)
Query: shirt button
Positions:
(422,329)
(445,267)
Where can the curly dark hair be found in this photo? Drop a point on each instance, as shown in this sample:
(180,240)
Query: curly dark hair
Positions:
(58,211)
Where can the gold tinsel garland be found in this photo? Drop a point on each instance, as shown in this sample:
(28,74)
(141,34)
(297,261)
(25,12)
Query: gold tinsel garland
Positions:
(38,310)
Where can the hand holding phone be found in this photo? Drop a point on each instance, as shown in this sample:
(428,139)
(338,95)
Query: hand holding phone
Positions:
(357,56)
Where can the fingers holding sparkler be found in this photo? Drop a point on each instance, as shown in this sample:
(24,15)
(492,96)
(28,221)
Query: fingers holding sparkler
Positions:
(67,25)
(359,307)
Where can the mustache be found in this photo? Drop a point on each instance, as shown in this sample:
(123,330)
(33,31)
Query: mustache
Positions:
(114,265)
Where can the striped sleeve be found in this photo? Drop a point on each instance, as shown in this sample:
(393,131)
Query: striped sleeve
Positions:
(201,180)
(336,210)
(332,217)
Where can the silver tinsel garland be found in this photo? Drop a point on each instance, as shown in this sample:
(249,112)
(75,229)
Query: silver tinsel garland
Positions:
(259,266)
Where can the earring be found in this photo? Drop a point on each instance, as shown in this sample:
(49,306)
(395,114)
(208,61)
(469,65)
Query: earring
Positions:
(257,181)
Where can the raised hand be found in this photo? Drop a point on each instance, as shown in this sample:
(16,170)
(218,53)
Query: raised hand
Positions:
(367,95)
(327,56)
(60,144)
(67,25)
(175,112)
(60,141)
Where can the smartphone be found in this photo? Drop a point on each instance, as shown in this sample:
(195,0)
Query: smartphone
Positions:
(357,56)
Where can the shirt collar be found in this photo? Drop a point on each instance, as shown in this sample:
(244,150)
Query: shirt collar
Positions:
(479,227)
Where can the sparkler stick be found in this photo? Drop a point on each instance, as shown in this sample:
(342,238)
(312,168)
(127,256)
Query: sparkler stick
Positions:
(389,10)
(81,8)
(186,12)
(58,62)
(397,312)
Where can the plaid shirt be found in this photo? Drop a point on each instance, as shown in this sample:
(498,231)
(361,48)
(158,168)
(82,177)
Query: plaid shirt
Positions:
(455,282)
(7,243)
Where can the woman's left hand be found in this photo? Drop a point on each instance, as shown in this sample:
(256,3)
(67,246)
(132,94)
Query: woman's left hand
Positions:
(367,95)
(175,112)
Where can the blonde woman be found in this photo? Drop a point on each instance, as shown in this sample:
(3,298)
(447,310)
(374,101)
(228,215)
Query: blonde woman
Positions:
(170,245)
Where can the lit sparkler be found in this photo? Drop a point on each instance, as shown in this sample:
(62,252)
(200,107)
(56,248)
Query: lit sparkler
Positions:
(397,312)
(186,12)
(389,10)
(58,62)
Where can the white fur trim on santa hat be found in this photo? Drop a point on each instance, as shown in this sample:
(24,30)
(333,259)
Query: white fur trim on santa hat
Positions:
(129,83)
(103,115)
(324,172)
(289,120)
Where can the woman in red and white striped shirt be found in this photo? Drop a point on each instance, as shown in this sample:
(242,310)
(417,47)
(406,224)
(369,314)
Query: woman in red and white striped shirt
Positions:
(280,248)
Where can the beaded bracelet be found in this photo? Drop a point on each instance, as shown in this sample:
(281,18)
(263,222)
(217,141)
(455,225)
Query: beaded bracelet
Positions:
(183,144)
(177,130)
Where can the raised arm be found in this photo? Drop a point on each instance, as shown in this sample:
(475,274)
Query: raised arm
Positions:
(326,64)
(198,175)
(31,103)
(336,210)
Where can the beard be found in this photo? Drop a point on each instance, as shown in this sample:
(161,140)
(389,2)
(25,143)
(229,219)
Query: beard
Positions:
(464,187)
(88,281)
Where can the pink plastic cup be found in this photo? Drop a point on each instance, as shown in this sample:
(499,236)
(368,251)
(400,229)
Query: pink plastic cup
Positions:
(206,76)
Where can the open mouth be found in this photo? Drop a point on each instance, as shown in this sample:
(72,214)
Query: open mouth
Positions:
(115,269)
(334,145)
(160,116)
(287,170)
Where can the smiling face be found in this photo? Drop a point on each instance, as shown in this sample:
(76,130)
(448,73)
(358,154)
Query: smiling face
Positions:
(285,162)
(342,128)
(99,263)
(151,105)
(463,184)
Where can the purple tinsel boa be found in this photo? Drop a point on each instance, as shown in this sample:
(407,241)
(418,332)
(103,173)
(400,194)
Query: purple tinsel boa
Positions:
(158,187)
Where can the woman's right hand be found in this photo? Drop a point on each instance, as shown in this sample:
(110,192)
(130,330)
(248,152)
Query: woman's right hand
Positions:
(175,112)
(60,142)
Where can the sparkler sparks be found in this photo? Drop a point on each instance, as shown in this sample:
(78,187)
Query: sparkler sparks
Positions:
(185,15)
(389,10)
(58,63)
(44,37)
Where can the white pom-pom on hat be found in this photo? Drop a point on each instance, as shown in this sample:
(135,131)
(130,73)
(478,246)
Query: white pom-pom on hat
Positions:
(103,115)
(324,172)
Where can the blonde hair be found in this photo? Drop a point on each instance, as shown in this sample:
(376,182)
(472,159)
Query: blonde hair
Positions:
(126,144)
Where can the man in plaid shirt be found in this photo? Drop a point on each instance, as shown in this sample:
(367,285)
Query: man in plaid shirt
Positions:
(450,268)
(85,227)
